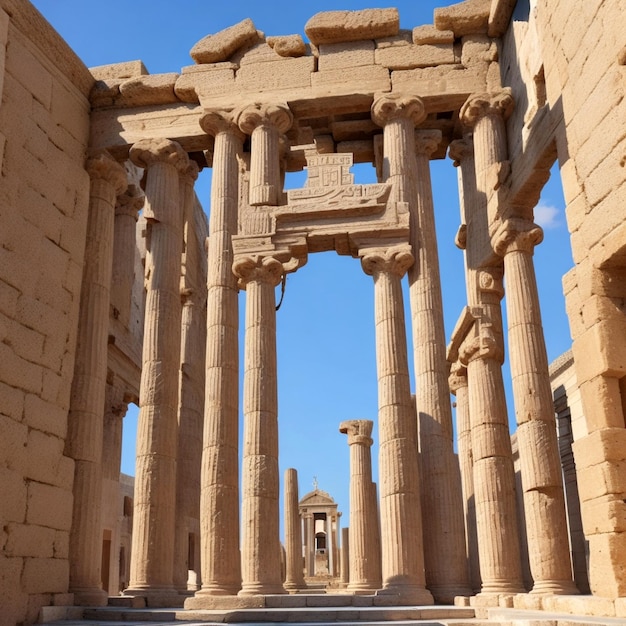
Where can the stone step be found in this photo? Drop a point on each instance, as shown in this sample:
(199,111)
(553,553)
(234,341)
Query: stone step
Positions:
(303,615)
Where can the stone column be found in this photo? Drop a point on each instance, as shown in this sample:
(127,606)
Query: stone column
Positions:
(494,478)
(406,166)
(191,390)
(365,572)
(310,544)
(293,534)
(265,122)
(458,386)
(345,557)
(152,554)
(401,517)
(544,501)
(260,550)
(126,211)
(86,415)
(219,500)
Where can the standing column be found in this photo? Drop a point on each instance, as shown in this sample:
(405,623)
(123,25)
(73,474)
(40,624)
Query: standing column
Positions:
(219,490)
(260,549)
(86,415)
(293,533)
(494,476)
(345,557)
(365,572)
(310,544)
(265,122)
(401,516)
(458,386)
(152,553)
(191,393)
(406,165)
(544,501)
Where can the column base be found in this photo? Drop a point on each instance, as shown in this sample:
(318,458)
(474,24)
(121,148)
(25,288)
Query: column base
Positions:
(403,595)
(294,587)
(555,587)
(445,594)
(364,589)
(260,589)
(90,597)
(504,587)
(157,598)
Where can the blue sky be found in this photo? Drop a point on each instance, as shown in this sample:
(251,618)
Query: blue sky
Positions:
(325,327)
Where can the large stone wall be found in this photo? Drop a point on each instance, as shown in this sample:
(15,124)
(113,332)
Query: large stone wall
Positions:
(44,192)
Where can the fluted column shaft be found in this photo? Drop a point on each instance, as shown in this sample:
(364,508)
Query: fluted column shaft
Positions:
(265,122)
(494,476)
(125,246)
(401,520)
(459,387)
(406,165)
(345,557)
(260,549)
(544,500)
(191,389)
(86,416)
(152,557)
(365,563)
(294,578)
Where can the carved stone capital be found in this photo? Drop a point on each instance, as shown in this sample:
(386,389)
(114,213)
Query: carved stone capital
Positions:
(358,431)
(460,241)
(458,377)
(215,121)
(264,269)
(396,260)
(102,166)
(516,234)
(130,202)
(258,114)
(190,173)
(460,149)
(477,106)
(392,106)
(483,344)
(149,151)
(426,141)
(490,280)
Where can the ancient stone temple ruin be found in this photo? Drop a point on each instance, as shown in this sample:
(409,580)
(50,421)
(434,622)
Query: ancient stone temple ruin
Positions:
(118,287)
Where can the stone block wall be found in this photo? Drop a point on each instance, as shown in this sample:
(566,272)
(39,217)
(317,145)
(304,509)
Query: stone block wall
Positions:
(44,192)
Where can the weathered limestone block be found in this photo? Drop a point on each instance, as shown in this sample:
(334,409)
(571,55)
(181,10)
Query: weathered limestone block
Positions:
(403,38)
(287,45)
(608,444)
(200,82)
(220,46)
(429,34)
(104,92)
(600,480)
(604,515)
(599,351)
(336,26)
(333,56)
(261,52)
(412,56)
(373,78)
(607,555)
(464,18)
(288,73)
(129,69)
(151,89)
(478,49)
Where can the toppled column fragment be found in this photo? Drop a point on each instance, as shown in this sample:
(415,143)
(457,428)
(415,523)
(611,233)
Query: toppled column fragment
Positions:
(336,26)
(220,46)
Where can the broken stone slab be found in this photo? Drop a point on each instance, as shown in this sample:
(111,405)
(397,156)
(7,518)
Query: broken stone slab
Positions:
(464,18)
(129,69)
(288,45)
(148,90)
(429,34)
(220,46)
(338,26)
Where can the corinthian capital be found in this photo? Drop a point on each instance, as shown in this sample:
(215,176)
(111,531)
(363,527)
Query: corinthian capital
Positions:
(392,106)
(516,234)
(426,141)
(149,151)
(458,377)
(263,269)
(214,122)
(460,149)
(102,166)
(358,431)
(257,114)
(477,106)
(130,202)
(396,260)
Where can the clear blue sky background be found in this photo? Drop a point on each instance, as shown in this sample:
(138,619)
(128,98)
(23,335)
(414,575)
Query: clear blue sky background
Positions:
(326,349)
